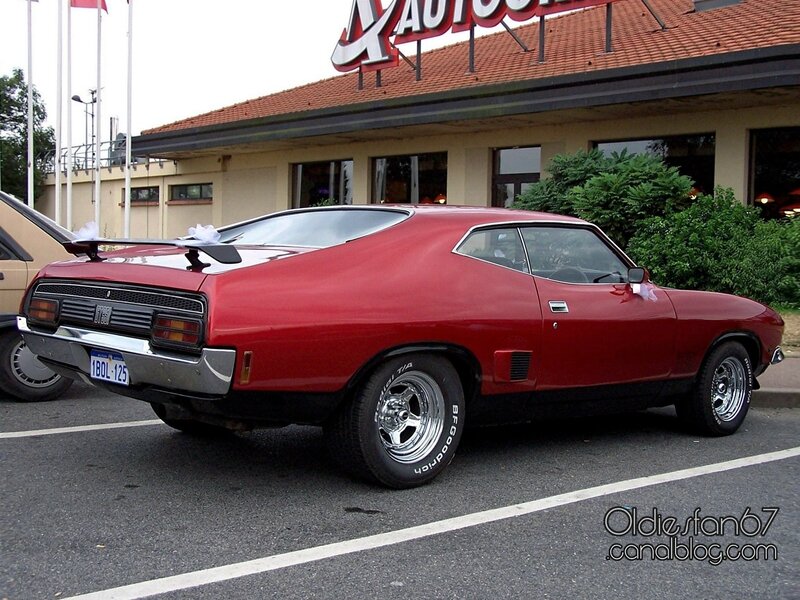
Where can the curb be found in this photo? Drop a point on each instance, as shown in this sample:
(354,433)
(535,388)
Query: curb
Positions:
(775,398)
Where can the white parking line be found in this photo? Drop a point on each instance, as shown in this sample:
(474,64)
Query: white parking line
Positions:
(77,429)
(299,557)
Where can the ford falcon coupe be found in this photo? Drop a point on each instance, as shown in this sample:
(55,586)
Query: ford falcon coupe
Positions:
(392,327)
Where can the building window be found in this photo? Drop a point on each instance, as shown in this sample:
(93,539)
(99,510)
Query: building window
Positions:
(416,179)
(515,169)
(692,155)
(144,195)
(322,183)
(193,191)
(775,180)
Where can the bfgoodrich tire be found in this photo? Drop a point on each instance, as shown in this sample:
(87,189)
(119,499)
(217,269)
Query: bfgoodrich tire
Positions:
(721,396)
(23,376)
(403,426)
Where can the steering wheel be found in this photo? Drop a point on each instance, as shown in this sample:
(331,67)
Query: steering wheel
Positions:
(569,275)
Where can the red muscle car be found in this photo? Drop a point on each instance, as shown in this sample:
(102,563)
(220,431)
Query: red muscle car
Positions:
(393,327)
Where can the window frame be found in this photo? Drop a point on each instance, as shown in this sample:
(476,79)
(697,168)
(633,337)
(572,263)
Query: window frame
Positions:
(379,180)
(518,180)
(149,201)
(595,144)
(519,226)
(337,173)
(199,200)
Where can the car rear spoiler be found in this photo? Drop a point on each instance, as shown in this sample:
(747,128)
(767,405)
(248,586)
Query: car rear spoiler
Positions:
(222,253)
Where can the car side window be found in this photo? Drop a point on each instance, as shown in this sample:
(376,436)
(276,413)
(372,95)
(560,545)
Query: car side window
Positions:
(5,251)
(500,246)
(572,255)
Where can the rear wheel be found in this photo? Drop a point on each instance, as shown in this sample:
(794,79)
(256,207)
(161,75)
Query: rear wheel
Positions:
(403,425)
(721,396)
(23,375)
(190,426)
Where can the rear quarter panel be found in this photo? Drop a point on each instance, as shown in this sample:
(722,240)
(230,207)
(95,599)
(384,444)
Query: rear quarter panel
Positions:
(313,320)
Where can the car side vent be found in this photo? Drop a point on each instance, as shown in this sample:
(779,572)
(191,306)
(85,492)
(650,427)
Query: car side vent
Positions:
(512,365)
(520,365)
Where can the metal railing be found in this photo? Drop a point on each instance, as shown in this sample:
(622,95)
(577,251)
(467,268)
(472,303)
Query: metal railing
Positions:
(84,157)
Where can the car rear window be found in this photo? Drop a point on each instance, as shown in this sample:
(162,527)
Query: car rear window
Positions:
(312,228)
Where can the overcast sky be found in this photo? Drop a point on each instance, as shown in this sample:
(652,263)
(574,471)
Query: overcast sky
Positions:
(190,56)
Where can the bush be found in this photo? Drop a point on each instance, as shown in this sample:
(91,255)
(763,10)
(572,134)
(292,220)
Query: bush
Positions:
(636,188)
(566,172)
(721,245)
(613,192)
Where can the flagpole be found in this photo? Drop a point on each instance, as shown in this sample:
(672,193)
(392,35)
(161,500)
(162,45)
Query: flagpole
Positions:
(127,226)
(69,116)
(97,159)
(59,107)
(30,104)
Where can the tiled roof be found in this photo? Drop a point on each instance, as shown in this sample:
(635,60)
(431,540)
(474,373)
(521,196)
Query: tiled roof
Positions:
(574,44)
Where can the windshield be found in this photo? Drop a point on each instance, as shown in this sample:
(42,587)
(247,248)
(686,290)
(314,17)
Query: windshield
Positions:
(314,228)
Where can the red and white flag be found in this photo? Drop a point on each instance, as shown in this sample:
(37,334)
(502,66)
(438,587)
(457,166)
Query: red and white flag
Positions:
(88,4)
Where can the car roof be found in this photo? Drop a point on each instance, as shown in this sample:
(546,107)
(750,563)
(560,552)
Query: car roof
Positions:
(482,215)
(54,230)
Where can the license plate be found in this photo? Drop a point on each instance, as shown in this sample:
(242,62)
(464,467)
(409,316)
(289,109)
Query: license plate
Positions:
(108,366)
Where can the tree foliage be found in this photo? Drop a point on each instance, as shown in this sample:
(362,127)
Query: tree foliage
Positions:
(14,136)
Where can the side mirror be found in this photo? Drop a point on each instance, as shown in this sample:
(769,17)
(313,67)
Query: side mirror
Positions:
(637,275)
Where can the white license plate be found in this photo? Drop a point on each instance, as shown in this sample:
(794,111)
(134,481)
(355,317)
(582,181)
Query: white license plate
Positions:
(108,366)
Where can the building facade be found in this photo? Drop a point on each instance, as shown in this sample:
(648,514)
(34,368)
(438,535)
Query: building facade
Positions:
(713,87)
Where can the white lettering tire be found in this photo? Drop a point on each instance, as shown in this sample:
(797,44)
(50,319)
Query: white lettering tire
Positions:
(721,396)
(402,427)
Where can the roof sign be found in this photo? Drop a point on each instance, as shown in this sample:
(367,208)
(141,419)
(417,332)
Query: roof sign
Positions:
(373,32)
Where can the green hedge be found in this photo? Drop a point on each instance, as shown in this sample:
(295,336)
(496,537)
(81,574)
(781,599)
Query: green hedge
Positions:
(709,243)
(719,244)
(615,192)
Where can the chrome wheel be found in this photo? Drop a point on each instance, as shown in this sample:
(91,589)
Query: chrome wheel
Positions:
(410,416)
(728,388)
(720,399)
(402,426)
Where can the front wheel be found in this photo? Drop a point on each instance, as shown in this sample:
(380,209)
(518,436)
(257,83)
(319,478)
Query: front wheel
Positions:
(22,374)
(721,396)
(402,427)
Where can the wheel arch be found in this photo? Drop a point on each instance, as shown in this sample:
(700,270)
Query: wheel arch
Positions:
(7,321)
(748,340)
(464,362)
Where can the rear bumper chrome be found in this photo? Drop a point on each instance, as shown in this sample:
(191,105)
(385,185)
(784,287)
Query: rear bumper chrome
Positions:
(777,356)
(210,373)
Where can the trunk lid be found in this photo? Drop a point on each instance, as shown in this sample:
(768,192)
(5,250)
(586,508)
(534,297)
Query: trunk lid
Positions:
(161,266)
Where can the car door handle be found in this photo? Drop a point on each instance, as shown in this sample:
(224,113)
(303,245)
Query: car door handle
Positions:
(558,306)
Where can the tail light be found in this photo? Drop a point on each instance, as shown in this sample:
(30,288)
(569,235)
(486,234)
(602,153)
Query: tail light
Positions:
(43,311)
(178,332)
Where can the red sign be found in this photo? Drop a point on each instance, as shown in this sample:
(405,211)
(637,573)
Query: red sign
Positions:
(373,29)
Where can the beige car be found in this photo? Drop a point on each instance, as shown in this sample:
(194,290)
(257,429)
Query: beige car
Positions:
(28,241)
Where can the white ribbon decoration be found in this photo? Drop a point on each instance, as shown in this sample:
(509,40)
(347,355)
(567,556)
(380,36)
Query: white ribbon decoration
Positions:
(645,290)
(204,233)
(90,231)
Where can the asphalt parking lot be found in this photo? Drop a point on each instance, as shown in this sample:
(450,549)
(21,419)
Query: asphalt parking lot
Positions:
(267,515)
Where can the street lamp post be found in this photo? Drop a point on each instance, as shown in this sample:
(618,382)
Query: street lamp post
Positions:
(88,109)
